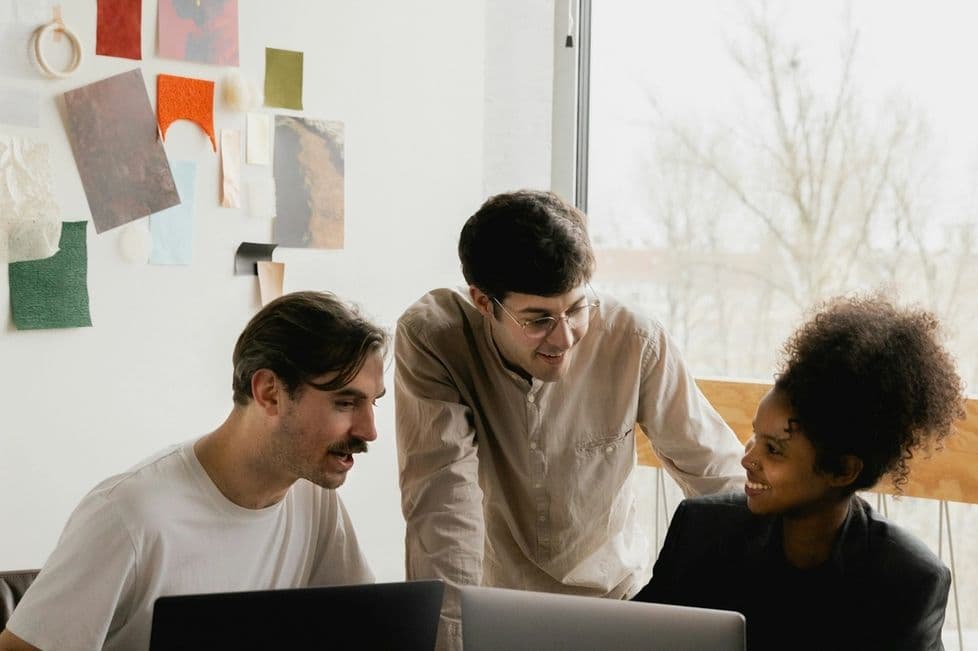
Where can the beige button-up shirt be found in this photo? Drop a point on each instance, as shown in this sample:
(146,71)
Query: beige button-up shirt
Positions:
(528,485)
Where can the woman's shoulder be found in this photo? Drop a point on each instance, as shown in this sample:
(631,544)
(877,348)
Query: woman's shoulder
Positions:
(894,548)
(717,511)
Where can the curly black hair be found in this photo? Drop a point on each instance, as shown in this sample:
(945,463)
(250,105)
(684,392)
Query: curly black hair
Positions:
(530,242)
(871,379)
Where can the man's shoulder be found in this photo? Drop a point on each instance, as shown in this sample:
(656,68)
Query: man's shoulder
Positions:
(623,319)
(151,479)
(439,307)
(444,319)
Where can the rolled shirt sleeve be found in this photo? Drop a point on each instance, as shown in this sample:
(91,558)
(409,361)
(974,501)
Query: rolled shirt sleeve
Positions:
(695,445)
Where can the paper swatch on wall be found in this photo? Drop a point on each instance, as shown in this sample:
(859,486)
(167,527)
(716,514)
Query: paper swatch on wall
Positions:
(134,241)
(53,293)
(271,278)
(20,107)
(259,136)
(283,78)
(30,226)
(172,229)
(230,168)
(249,254)
(309,177)
(261,197)
(185,98)
(118,32)
(205,31)
(120,159)
(18,20)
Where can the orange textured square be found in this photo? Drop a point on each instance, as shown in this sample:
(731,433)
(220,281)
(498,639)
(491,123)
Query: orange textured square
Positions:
(184,98)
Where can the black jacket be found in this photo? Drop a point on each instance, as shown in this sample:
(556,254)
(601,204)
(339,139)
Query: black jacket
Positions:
(881,588)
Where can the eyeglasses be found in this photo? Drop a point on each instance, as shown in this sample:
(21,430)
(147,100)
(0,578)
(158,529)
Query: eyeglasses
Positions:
(541,328)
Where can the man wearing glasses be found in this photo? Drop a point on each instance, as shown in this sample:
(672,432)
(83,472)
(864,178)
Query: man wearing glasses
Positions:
(516,408)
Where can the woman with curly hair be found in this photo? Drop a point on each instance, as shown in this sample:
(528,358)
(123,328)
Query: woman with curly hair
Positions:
(864,386)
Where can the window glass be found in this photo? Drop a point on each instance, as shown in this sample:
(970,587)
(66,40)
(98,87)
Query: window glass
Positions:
(747,160)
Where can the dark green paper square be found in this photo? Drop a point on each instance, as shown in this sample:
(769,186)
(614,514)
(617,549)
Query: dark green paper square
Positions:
(53,292)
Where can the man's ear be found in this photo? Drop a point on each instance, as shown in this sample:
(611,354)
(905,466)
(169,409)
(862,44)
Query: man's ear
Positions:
(481,300)
(267,391)
(851,467)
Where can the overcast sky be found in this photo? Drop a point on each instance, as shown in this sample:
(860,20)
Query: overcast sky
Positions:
(924,52)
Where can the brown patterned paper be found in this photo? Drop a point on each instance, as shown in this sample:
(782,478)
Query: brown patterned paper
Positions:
(120,158)
(309,174)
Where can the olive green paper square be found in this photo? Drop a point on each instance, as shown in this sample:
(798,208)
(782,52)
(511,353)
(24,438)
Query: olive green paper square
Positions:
(283,78)
(53,292)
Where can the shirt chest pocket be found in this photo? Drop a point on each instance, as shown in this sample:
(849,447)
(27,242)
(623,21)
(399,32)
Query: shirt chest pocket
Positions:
(610,444)
(603,465)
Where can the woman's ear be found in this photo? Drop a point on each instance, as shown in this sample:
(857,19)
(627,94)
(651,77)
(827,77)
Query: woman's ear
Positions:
(851,467)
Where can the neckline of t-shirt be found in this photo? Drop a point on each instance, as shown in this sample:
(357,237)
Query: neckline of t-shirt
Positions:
(219,499)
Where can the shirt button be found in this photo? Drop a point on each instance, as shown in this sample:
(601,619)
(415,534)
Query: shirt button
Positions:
(543,518)
(530,398)
(609,449)
(533,445)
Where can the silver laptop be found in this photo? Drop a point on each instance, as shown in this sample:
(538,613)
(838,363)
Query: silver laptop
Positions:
(497,618)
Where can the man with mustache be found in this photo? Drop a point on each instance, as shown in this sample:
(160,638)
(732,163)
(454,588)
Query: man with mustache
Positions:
(249,506)
(516,403)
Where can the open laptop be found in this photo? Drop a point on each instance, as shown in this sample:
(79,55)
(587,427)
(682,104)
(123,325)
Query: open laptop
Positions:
(498,618)
(373,616)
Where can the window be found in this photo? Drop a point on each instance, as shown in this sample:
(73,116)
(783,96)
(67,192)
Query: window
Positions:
(746,160)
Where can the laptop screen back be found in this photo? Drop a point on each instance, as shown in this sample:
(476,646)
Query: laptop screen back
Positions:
(497,618)
(374,616)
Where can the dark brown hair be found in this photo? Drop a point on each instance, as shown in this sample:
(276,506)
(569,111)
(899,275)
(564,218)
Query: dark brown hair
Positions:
(302,336)
(528,242)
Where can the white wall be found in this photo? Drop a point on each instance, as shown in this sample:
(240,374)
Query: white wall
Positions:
(519,94)
(434,121)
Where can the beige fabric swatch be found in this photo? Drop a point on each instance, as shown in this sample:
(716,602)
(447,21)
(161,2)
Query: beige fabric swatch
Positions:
(231,168)
(259,128)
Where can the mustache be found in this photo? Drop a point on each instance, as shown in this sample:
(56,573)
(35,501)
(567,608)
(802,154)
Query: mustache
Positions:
(351,446)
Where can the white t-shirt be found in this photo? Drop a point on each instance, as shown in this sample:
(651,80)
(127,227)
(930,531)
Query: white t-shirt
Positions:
(164,528)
